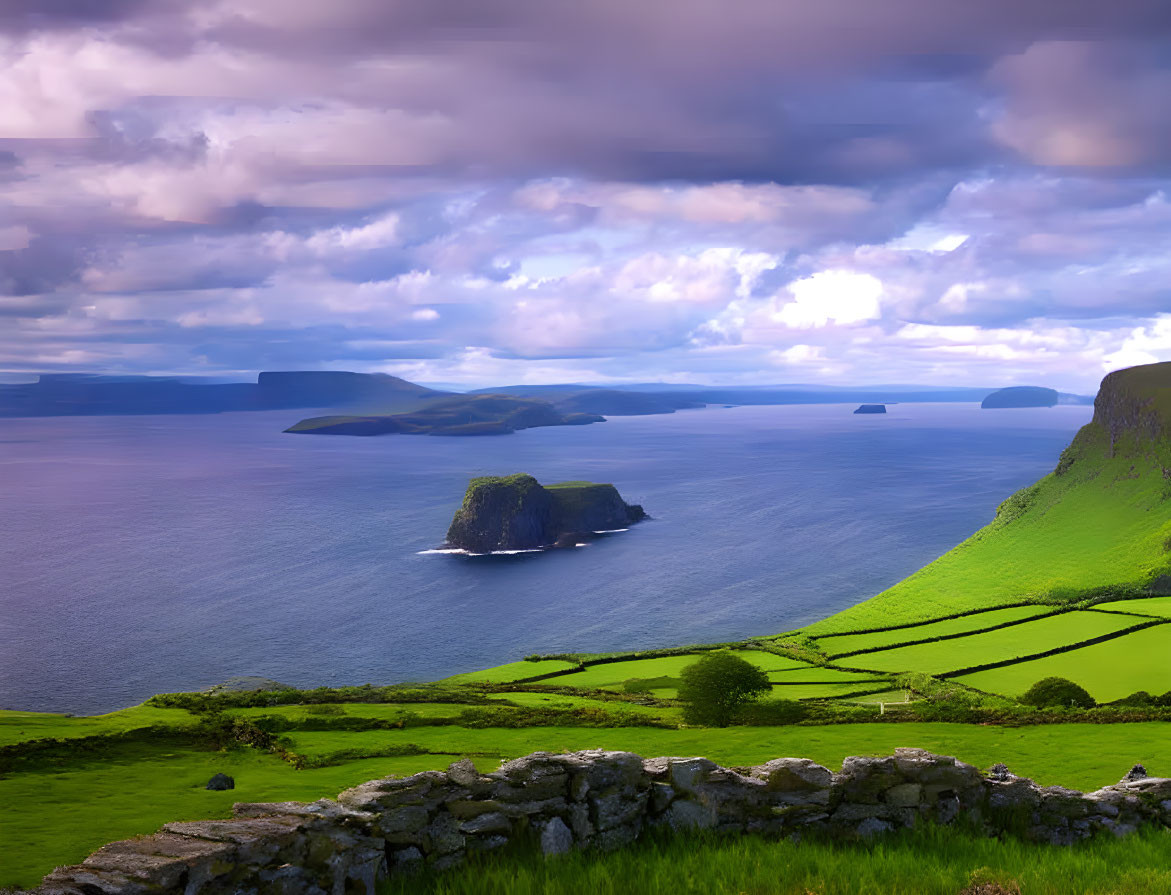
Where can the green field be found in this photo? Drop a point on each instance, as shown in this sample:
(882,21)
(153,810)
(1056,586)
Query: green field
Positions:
(614,674)
(821,674)
(17,727)
(824,691)
(1110,670)
(514,671)
(844,643)
(1154,606)
(1024,639)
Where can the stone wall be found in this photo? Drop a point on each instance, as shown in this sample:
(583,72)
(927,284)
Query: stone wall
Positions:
(595,799)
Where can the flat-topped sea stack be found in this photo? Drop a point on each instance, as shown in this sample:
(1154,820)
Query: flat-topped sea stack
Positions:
(1021,396)
(871,408)
(516,512)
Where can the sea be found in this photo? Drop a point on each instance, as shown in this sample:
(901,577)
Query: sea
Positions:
(147,554)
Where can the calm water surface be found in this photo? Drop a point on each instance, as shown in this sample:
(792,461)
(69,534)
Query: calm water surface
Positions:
(148,554)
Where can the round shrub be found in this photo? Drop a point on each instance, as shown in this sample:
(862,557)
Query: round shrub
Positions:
(1057,692)
(1141,697)
(718,683)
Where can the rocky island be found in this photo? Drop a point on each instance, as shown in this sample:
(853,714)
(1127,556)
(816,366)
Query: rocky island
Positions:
(516,512)
(871,408)
(459,415)
(1021,396)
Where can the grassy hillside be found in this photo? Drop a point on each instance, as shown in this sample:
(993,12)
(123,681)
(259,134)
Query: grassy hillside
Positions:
(1102,519)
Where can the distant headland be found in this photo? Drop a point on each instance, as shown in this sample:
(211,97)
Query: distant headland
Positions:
(515,512)
(458,415)
(1021,396)
(364,403)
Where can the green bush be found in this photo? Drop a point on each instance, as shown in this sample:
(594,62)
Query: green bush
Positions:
(646,684)
(1140,697)
(717,684)
(1057,692)
(773,713)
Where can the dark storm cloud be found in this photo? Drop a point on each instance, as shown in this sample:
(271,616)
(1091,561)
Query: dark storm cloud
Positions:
(31,15)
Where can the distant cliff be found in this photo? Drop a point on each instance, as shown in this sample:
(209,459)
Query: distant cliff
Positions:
(517,513)
(457,415)
(1134,406)
(1021,396)
(80,394)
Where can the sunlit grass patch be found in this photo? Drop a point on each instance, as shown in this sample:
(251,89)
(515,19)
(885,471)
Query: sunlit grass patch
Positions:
(1024,639)
(1110,670)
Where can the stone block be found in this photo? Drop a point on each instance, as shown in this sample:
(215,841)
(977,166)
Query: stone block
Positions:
(792,775)
(556,837)
(904,795)
(493,822)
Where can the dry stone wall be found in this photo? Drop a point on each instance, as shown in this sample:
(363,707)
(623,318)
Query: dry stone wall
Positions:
(595,799)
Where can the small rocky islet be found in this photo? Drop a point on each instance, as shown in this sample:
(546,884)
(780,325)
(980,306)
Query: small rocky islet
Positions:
(516,512)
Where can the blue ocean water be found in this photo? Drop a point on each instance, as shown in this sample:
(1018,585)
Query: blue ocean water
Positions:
(149,554)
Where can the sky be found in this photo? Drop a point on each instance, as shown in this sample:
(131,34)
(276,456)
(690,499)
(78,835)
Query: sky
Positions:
(479,192)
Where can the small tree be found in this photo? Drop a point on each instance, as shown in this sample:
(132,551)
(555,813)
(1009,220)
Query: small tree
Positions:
(717,684)
(1057,692)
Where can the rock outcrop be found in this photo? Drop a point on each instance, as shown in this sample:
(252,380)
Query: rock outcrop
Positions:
(1135,404)
(517,513)
(595,799)
(871,408)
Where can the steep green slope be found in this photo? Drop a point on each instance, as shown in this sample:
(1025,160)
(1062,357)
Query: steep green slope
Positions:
(1102,519)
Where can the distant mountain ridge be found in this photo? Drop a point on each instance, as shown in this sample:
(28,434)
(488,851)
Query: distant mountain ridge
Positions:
(96,395)
(77,394)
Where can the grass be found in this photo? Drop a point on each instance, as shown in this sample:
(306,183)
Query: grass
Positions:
(1110,670)
(926,861)
(823,691)
(848,642)
(995,646)
(58,814)
(1159,607)
(556,700)
(821,675)
(378,711)
(63,807)
(1085,756)
(17,727)
(611,675)
(512,671)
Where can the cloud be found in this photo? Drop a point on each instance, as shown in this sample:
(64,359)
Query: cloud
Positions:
(903,190)
(838,296)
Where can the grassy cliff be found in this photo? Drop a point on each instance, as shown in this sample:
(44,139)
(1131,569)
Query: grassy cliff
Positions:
(1100,520)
